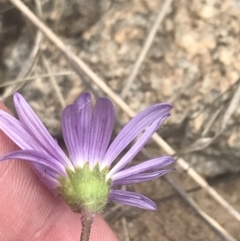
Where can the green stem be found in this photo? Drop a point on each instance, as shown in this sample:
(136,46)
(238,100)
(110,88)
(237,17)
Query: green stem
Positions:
(87,221)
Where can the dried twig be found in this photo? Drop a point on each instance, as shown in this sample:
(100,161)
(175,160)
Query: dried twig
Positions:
(54,82)
(125,229)
(48,68)
(44,76)
(78,65)
(231,108)
(162,13)
(211,121)
(124,223)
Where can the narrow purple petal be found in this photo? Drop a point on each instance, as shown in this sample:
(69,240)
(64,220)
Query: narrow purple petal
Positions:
(140,122)
(84,99)
(101,130)
(153,164)
(137,178)
(37,158)
(37,130)
(136,147)
(132,199)
(84,103)
(14,130)
(76,123)
(42,170)
(69,131)
(49,181)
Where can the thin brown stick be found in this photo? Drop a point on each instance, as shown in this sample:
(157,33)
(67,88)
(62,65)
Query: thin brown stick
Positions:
(162,13)
(54,82)
(124,223)
(231,108)
(78,65)
(44,76)
(125,229)
(211,121)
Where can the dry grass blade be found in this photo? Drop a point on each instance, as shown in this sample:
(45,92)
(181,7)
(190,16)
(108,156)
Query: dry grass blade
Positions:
(147,45)
(211,121)
(53,82)
(13,82)
(124,223)
(125,229)
(48,68)
(78,65)
(231,108)
(5,8)
(198,145)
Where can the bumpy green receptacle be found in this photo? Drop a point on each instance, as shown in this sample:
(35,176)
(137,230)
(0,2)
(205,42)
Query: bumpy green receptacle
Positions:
(85,189)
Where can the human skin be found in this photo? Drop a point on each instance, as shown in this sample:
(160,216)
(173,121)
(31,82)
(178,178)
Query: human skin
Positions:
(29,211)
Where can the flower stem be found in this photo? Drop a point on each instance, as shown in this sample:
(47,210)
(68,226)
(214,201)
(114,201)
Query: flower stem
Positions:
(87,221)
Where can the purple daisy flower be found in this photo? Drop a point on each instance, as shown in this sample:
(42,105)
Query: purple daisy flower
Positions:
(85,179)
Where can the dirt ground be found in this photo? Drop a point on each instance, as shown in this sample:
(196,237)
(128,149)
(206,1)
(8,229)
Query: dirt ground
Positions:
(193,63)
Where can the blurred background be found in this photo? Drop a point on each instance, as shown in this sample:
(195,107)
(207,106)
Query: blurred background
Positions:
(183,52)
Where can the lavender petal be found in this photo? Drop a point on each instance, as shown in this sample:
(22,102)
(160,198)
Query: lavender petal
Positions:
(132,199)
(153,164)
(76,124)
(37,130)
(143,177)
(136,147)
(35,157)
(48,180)
(134,128)
(69,130)
(101,130)
(14,130)
(84,103)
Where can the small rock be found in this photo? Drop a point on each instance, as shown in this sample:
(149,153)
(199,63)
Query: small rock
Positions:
(234,140)
(128,33)
(225,56)
(207,12)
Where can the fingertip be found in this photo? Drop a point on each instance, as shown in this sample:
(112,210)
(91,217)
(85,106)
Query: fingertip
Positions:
(6,145)
(3,107)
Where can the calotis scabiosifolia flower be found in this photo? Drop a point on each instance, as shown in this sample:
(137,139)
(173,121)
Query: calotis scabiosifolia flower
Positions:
(86,178)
